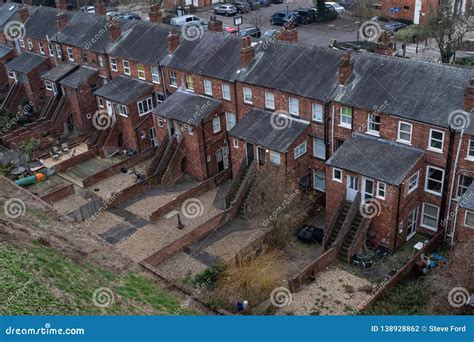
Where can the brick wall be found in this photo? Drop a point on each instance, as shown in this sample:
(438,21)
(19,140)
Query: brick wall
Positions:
(59,194)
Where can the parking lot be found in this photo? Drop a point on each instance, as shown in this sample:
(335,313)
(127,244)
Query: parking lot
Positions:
(343,28)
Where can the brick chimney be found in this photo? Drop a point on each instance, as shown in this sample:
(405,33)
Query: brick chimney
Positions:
(469,96)
(385,45)
(24,15)
(214,24)
(61,5)
(172,42)
(100,8)
(246,52)
(345,68)
(114,28)
(61,20)
(155,14)
(289,33)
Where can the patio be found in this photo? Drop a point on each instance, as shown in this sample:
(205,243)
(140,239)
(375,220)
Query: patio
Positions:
(73,151)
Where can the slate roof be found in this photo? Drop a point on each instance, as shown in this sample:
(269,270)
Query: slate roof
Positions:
(260,127)
(299,69)
(59,72)
(124,90)
(4,50)
(78,77)
(467,199)
(9,12)
(214,55)
(376,158)
(419,91)
(42,23)
(26,62)
(187,107)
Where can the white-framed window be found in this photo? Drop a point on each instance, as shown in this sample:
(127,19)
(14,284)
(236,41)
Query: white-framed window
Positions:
(70,54)
(49,85)
(317,112)
(469,219)
(337,175)
(346,117)
(208,87)
(381,190)
(159,97)
(269,100)
(41,48)
(160,122)
(470,150)
(434,180)
(216,124)
(113,64)
(101,103)
(190,130)
(235,143)
(404,132)
(173,79)
(155,74)
(225,92)
(22,43)
(247,95)
(275,157)
(141,71)
(294,106)
(319,148)
(230,120)
(51,50)
(100,59)
(145,106)
(436,141)
(189,82)
(30,45)
(429,216)
(413,182)
(126,68)
(300,150)
(122,110)
(85,57)
(59,51)
(11,75)
(319,181)
(464,182)
(373,124)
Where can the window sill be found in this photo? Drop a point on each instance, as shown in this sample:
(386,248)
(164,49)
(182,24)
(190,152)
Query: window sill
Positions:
(337,180)
(471,159)
(249,103)
(269,108)
(317,121)
(375,134)
(434,150)
(433,193)
(345,126)
(429,228)
(403,142)
(173,85)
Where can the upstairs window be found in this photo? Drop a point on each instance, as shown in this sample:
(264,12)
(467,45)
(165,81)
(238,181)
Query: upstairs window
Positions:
(85,57)
(173,79)
(275,158)
(70,54)
(59,51)
(141,71)
(413,182)
(216,124)
(100,60)
(208,87)
(30,45)
(294,106)
(429,217)
(145,106)
(317,114)
(470,150)
(404,132)
(346,117)
(269,100)
(337,175)
(189,83)
(155,74)
(126,68)
(41,48)
(436,140)
(226,92)
(319,148)
(300,150)
(373,124)
(113,64)
(464,182)
(247,95)
(434,180)
(51,50)
(230,120)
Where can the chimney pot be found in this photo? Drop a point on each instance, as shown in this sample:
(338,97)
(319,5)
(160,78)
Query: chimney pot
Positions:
(61,5)
(289,33)
(172,42)
(345,68)
(24,15)
(155,14)
(114,28)
(214,24)
(61,20)
(100,8)
(246,52)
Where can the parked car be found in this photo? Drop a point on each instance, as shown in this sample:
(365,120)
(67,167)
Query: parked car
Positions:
(306,16)
(264,3)
(88,9)
(254,4)
(231,29)
(277,1)
(253,32)
(188,19)
(129,16)
(394,26)
(271,33)
(283,17)
(114,14)
(226,10)
(242,7)
(310,234)
(339,9)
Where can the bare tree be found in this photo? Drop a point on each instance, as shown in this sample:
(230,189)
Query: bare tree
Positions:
(448,28)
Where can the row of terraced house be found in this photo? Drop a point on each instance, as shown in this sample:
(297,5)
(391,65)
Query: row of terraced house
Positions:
(358,127)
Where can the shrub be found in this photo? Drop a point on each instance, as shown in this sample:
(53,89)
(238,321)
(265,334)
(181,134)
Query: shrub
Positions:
(209,276)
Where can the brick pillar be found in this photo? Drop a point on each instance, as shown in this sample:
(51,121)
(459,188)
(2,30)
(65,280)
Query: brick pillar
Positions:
(24,15)
(61,4)
(289,34)
(61,20)
(469,96)
(246,52)
(114,28)
(385,45)
(155,14)
(345,68)
(100,7)
(214,24)
(172,42)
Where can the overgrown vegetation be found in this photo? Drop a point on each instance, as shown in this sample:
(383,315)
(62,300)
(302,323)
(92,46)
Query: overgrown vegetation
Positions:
(209,277)
(408,34)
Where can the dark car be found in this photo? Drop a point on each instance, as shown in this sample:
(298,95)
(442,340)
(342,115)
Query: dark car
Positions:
(242,7)
(129,16)
(254,4)
(253,32)
(394,26)
(282,18)
(310,234)
(264,3)
(306,16)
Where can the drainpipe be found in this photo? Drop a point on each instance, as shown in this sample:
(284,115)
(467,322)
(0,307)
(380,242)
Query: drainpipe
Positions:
(162,75)
(205,148)
(332,130)
(453,178)
(326,128)
(398,214)
(107,61)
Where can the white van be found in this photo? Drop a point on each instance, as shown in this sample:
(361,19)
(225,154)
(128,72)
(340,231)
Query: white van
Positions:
(186,20)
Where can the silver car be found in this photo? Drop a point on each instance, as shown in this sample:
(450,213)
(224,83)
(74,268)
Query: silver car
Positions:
(226,10)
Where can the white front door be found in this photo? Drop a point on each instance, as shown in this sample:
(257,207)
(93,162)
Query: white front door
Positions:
(412,223)
(153,138)
(352,188)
